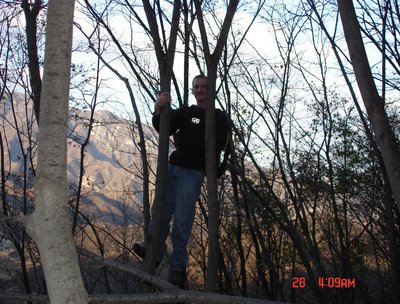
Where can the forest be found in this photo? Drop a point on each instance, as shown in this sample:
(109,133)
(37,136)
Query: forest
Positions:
(308,209)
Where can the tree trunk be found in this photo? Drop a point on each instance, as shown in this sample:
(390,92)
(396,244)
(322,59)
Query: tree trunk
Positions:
(165,60)
(49,225)
(389,201)
(212,60)
(31,13)
(374,104)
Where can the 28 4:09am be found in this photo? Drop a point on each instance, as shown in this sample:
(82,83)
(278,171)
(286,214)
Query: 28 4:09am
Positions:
(326,282)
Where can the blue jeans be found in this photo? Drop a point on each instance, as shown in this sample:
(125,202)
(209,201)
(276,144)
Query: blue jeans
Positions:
(183,190)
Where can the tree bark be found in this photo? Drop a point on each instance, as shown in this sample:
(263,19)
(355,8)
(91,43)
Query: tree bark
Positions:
(31,13)
(389,201)
(212,60)
(165,60)
(374,104)
(49,225)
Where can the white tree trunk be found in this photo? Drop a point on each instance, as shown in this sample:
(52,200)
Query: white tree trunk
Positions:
(50,225)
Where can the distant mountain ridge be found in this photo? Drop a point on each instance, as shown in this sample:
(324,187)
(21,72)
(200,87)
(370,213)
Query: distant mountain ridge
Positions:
(112,180)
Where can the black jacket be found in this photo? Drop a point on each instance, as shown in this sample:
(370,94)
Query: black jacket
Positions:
(187,125)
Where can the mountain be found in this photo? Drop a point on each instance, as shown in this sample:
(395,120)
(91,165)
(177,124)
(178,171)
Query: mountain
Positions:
(112,177)
(111,194)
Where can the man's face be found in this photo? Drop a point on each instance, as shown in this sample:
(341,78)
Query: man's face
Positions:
(199,90)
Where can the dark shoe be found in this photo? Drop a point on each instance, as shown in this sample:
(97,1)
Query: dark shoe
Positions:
(177,277)
(139,250)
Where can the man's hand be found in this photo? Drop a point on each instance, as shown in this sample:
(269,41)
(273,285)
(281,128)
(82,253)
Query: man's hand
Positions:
(162,100)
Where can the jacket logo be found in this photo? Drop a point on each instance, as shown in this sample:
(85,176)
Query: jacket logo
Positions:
(195,120)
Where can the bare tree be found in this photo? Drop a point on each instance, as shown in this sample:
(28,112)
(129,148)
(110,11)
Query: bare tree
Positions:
(305,198)
(165,54)
(84,142)
(49,224)
(374,104)
(378,27)
(212,59)
(32,11)
(16,117)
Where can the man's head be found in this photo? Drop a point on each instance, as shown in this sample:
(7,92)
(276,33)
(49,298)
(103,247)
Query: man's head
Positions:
(199,90)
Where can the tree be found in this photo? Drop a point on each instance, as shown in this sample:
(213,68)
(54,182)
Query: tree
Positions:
(49,225)
(212,59)
(309,196)
(15,182)
(31,14)
(374,104)
(165,54)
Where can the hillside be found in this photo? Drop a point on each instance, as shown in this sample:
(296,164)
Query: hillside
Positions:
(111,184)
(111,193)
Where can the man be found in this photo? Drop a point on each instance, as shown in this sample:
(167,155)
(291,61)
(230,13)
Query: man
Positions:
(186,171)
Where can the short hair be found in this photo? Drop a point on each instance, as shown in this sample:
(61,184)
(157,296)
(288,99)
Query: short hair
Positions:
(200,76)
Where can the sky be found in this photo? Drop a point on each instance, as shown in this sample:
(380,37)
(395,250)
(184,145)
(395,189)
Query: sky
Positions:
(260,39)
(260,43)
